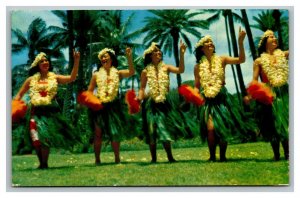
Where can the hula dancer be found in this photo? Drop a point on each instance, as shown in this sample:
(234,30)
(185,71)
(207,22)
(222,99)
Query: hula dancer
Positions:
(109,121)
(159,122)
(273,117)
(48,128)
(220,119)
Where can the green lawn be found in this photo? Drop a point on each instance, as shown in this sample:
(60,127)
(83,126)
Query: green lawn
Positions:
(248,164)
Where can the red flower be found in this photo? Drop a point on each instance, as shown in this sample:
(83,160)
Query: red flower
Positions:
(190,95)
(132,103)
(88,99)
(18,110)
(260,92)
(43,93)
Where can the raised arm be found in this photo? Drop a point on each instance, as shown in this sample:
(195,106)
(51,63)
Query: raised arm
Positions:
(180,69)
(23,90)
(70,78)
(143,85)
(130,71)
(241,58)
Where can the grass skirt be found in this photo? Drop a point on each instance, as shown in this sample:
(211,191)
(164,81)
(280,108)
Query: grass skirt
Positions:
(230,121)
(273,120)
(53,129)
(113,122)
(163,122)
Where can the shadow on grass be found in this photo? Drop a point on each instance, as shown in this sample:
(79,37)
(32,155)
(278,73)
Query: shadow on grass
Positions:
(254,160)
(91,165)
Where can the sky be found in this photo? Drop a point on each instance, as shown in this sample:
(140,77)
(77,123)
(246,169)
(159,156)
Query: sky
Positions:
(21,18)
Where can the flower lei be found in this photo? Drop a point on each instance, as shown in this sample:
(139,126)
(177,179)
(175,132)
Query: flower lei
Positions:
(43,93)
(108,85)
(158,82)
(277,73)
(212,80)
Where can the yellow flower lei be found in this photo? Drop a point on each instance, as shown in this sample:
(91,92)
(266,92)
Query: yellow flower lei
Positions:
(108,85)
(36,88)
(211,80)
(277,73)
(158,82)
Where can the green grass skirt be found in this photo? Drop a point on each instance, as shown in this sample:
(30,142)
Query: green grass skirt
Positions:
(273,120)
(52,127)
(231,122)
(163,122)
(116,125)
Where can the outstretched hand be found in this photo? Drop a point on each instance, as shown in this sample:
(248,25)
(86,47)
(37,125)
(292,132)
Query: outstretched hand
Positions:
(182,47)
(76,55)
(128,52)
(242,35)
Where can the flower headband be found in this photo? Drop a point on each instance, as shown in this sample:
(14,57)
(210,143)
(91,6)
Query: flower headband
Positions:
(202,41)
(105,50)
(150,49)
(265,35)
(37,59)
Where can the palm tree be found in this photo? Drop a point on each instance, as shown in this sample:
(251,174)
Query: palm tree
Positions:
(35,40)
(115,32)
(249,33)
(64,37)
(69,91)
(235,52)
(167,27)
(273,20)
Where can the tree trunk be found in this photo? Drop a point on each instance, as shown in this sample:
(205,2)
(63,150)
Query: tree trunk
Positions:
(68,96)
(229,50)
(82,43)
(175,36)
(235,51)
(276,15)
(249,34)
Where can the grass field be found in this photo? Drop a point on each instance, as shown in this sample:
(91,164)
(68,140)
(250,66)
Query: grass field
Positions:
(249,164)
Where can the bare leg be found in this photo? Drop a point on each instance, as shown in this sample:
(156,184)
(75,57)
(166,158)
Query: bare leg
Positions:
(97,144)
(223,147)
(275,146)
(152,147)
(45,155)
(38,151)
(116,148)
(168,149)
(211,139)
